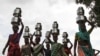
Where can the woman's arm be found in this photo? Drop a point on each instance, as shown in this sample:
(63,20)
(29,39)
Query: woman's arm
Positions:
(97,52)
(71,44)
(75,44)
(21,31)
(3,52)
(63,52)
(90,30)
(49,40)
(92,27)
(31,39)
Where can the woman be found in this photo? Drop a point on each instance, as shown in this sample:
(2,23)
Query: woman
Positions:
(56,48)
(82,39)
(37,47)
(13,41)
(65,44)
(26,48)
(47,50)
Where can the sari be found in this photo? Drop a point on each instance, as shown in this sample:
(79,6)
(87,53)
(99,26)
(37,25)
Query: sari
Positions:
(57,50)
(26,50)
(84,50)
(38,50)
(14,49)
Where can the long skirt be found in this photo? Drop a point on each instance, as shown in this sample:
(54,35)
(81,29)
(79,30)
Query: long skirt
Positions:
(85,51)
(14,51)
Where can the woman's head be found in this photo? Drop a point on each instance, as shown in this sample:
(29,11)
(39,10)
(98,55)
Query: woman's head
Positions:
(15,28)
(47,45)
(65,35)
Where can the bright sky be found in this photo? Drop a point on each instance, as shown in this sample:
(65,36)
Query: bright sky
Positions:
(46,12)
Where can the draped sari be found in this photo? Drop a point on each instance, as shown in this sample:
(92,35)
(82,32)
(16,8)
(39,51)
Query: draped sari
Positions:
(38,50)
(57,50)
(14,49)
(84,50)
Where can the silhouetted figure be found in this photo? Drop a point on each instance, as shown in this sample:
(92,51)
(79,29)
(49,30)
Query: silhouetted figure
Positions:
(13,41)
(82,38)
(26,49)
(47,50)
(65,44)
(37,47)
(56,48)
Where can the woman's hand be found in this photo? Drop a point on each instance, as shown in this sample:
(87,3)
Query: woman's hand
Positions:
(31,38)
(3,52)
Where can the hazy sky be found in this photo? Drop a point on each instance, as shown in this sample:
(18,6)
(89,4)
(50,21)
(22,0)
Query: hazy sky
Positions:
(46,12)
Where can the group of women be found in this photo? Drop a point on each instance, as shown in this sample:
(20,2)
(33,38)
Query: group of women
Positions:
(35,48)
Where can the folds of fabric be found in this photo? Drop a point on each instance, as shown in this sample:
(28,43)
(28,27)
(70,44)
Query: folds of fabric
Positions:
(57,50)
(67,51)
(14,49)
(85,51)
(37,50)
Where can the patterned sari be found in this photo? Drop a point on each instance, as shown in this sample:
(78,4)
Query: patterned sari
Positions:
(14,49)
(84,50)
(57,50)
(38,50)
